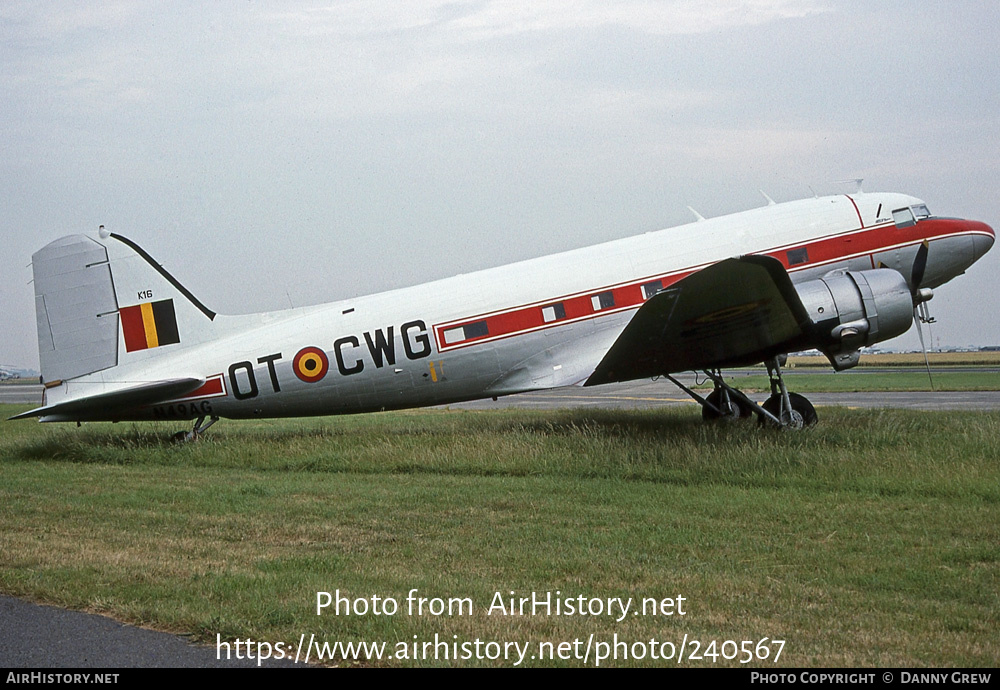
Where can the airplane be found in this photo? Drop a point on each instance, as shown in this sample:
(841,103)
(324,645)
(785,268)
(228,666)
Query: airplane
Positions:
(120,338)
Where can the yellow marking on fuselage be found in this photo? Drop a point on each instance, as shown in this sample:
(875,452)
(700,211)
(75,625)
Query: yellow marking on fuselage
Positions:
(434,376)
(149,324)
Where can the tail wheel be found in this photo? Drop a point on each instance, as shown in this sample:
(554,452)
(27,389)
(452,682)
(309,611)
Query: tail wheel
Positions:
(735,409)
(802,414)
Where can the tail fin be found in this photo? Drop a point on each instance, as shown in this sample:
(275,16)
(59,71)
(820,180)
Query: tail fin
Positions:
(104,302)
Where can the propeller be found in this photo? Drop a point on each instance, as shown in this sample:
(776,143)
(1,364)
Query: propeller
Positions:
(920,298)
(919,266)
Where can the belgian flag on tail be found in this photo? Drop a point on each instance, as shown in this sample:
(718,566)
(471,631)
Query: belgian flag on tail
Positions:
(150,324)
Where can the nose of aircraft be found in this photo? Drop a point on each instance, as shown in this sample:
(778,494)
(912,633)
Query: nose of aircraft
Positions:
(982,241)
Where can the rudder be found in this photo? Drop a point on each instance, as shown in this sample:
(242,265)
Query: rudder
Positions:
(75,308)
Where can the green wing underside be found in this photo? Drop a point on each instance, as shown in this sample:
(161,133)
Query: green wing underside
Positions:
(734,313)
(104,405)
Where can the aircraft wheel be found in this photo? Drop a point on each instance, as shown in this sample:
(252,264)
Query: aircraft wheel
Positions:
(803,413)
(737,408)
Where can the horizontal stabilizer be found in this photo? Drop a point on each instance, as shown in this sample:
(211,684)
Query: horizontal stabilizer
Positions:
(104,405)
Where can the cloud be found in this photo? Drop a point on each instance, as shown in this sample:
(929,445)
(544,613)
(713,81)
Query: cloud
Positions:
(662,18)
(476,20)
(28,23)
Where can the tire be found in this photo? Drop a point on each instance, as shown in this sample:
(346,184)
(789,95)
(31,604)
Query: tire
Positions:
(738,408)
(803,413)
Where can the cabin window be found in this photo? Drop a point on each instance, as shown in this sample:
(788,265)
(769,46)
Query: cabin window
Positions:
(605,300)
(903,217)
(798,256)
(476,330)
(553,312)
(651,288)
(466,332)
(453,335)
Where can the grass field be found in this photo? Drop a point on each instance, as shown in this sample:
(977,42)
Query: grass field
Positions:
(895,372)
(808,380)
(910,359)
(869,540)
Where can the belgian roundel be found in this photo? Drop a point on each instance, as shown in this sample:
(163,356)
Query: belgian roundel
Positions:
(310,364)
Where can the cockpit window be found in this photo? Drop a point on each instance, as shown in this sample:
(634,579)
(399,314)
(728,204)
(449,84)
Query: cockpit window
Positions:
(903,217)
(921,211)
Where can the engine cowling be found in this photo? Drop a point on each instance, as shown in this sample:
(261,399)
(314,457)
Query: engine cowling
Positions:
(853,309)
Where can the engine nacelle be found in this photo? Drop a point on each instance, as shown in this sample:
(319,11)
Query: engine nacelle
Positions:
(852,309)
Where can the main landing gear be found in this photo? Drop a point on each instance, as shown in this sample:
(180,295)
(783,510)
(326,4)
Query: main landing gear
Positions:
(725,403)
(199,428)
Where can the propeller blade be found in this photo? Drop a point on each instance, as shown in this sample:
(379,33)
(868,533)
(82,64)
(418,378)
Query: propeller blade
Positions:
(919,266)
(923,348)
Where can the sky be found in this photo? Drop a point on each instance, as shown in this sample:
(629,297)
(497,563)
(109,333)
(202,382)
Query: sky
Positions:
(282,154)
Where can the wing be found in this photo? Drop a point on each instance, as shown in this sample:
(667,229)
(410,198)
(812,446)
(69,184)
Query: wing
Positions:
(104,405)
(733,313)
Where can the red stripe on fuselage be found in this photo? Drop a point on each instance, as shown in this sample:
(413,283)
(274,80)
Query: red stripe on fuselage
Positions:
(836,248)
(211,388)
